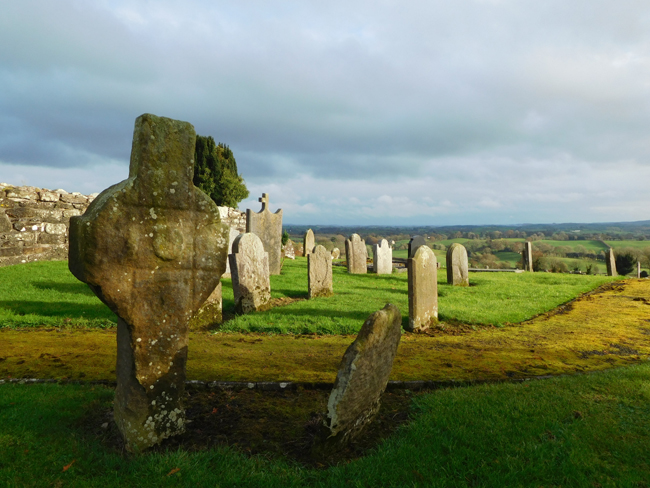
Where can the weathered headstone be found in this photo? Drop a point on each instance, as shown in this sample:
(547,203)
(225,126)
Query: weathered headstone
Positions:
(527,255)
(288,250)
(415,243)
(308,243)
(610,261)
(356,255)
(210,315)
(422,289)
(361,379)
(153,249)
(319,270)
(382,262)
(336,253)
(249,267)
(638,269)
(232,235)
(457,272)
(268,227)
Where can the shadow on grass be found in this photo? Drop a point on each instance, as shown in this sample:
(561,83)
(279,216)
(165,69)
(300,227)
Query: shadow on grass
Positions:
(71,288)
(59,309)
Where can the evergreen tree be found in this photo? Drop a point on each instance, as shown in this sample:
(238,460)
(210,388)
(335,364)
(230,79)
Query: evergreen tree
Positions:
(215,172)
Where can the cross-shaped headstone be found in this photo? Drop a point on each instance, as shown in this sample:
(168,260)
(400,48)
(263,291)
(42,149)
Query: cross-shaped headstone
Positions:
(264,199)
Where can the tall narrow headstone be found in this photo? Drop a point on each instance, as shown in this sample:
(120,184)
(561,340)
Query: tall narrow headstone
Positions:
(268,227)
(232,235)
(527,255)
(288,250)
(414,244)
(457,272)
(356,255)
(638,269)
(382,259)
(610,261)
(152,248)
(319,271)
(361,379)
(249,267)
(308,242)
(422,289)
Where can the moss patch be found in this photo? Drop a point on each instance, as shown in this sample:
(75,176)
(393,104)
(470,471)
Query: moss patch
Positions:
(606,328)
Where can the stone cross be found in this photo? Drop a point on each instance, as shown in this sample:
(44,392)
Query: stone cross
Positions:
(152,248)
(422,289)
(527,255)
(319,271)
(308,243)
(610,261)
(382,262)
(268,227)
(249,267)
(457,272)
(356,254)
(361,379)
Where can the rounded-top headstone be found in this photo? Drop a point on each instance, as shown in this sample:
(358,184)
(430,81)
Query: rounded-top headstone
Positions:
(309,242)
(457,272)
(415,243)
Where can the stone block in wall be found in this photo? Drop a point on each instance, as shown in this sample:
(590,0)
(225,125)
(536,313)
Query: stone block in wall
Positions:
(12,239)
(31,215)
(45,238)
(48,196)
(63,205)
(22,193)
(5,223)
(59,229)
(73,198)
(70,212)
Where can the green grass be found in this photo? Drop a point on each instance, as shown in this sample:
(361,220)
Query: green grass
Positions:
(584,431)
(45,293)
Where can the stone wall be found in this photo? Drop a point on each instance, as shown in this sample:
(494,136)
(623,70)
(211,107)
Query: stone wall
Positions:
(34,222)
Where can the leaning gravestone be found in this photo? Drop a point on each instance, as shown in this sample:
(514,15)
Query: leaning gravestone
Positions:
(414,244)
(152,248)
(382,262)
(422,289)
(356,255)
(268,227)
(527,255)
(336,253)
(249,267)
(308,243)
(361,379)
(319,271)
(610,261)
(457,272)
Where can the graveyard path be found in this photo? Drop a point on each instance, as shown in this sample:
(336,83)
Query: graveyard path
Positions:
(607,328)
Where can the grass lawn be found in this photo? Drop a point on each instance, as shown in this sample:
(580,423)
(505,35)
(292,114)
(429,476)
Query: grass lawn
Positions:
(588,430)
(45,293)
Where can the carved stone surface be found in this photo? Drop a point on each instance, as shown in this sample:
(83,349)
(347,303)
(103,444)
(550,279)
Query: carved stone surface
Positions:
(527,255)
(210,315)
(414,244)
(319,269)
(610,261)
(457,268)
(336,253)
(309,243)
(153,249)
(361,379)
(268,227)
(422,289)
(382,259)
(356,255)
(249,267)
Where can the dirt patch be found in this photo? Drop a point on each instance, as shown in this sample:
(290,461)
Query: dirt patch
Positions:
(614,349)
(273,424)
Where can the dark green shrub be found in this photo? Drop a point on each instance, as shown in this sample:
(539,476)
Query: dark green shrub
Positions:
(625,263)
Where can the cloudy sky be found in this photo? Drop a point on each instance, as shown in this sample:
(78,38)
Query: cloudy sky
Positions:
(346,112)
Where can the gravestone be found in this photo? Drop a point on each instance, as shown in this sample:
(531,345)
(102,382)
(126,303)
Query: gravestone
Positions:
(457,272)
(210,315)
(382,262)
(422,289)
(152,248)
(610,261)
(268,227)
(415,243)
(319,271)
(361,379)
(638,269)
(232,235)
(527,255)
(308,243)
(288,250)
(336,253)
(249,267)
(356,255)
